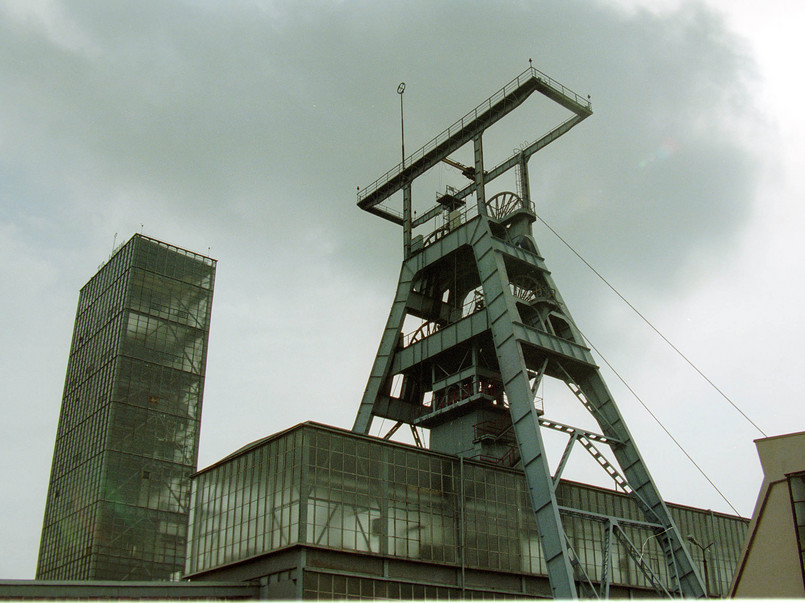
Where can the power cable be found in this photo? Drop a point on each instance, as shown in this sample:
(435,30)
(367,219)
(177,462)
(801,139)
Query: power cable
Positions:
(664,428)
(646,320)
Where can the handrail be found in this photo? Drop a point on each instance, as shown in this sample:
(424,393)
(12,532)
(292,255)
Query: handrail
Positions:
(472,115)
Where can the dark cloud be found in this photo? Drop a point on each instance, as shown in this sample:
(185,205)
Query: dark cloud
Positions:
(280,113)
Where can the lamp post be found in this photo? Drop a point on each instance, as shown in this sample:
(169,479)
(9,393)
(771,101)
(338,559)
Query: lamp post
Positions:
(704,549)
(400,90)
(643,546)
(407,226)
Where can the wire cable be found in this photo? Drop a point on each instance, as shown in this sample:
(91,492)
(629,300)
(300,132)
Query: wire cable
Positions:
(664,428)
(657,331)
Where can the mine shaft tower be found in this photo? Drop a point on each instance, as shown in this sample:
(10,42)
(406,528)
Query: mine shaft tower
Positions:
(491,325)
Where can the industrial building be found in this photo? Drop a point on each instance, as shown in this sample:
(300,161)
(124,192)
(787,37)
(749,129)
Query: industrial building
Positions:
(314,512)
(773,558)
(127,439)
(476,325)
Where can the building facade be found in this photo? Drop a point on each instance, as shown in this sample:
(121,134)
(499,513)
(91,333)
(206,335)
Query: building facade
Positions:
(127,439)
(318,512)
(773,560)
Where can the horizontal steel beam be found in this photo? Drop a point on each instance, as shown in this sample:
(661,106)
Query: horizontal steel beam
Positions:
(386,215)
(610,518)
(119,589)
(467,128)
(569,429)
(476,324)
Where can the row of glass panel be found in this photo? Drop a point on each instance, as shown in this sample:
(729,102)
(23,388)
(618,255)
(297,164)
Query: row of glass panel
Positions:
(105,279)
(69,520)
(377,497)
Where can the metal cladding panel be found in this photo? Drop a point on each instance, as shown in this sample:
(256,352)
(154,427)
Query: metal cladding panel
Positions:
(449,243)
(523,255)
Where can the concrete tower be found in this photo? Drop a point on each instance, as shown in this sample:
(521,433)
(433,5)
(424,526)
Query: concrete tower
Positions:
(127,440)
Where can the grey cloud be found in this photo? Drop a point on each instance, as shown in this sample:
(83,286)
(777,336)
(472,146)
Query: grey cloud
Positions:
(285,113)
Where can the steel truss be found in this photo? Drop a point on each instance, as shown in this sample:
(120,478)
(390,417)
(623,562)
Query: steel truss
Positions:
(493,357)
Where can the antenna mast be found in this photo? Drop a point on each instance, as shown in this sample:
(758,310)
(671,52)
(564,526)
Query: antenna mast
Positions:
(407,187)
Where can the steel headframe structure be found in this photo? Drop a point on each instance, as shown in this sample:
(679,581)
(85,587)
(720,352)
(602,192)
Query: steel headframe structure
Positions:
(492,325)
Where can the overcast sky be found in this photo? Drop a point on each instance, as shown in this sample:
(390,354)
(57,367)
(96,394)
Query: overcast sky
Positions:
(241,130)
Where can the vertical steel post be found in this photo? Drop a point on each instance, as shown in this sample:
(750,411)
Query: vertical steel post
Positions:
(525,187)
(461,526)
(407,227)
(606,562)
(480,187)
(400,90)
(407,188)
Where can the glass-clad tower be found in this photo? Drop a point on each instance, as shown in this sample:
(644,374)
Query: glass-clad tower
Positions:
(127,440)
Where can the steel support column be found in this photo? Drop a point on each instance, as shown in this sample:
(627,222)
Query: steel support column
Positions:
(380,375)
(501,312)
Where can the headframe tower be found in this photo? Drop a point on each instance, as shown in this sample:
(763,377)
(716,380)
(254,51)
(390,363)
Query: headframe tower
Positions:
(491,326)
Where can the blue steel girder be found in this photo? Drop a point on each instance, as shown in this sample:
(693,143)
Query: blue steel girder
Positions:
(475,325)
(534,340)
(514,341)
(388,344)
(521,254)
(500,307)
(396,409)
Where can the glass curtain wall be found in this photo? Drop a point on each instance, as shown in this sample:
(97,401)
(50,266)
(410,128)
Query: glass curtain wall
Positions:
(71,509)
(324,487)
(128,433)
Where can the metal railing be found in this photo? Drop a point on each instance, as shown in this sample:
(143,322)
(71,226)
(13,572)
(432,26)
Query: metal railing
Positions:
(471,116)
